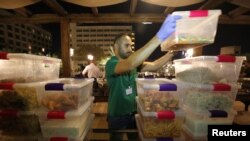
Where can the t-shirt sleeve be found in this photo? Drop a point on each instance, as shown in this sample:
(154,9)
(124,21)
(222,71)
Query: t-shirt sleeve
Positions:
(110,67)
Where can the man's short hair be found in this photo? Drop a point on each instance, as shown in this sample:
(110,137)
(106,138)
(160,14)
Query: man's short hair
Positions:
(119,36)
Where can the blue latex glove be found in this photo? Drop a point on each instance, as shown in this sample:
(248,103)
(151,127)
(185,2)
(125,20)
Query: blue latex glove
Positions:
(168,27)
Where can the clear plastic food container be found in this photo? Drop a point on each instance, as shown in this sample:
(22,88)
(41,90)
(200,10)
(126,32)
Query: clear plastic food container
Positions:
(14,123)
(160,124)
(65,94)
(195,29)
(19,67)
(19,96)
(203,97)
(158,94)
(66,124)
(209,69)
(83,136)
(196,125)
(143,138)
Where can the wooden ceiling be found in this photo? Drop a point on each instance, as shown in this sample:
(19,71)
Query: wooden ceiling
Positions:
(117,11)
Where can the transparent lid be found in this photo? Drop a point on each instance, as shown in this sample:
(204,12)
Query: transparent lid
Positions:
(67,84)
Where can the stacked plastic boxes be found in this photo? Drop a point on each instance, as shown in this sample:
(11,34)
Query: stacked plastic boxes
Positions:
(160,115)
(196,28)
(210,91)
(65,109)
(20,68)
(20,77)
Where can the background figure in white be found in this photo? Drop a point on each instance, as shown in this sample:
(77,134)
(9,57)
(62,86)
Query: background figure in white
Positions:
(93,71)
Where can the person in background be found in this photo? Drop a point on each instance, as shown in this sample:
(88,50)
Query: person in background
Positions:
(245,71)
(121,72)
(92,71)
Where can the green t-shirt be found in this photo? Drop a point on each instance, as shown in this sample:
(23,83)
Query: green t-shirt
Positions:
(121,98)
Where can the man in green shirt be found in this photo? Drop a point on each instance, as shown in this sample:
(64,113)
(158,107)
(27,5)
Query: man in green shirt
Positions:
(121,73)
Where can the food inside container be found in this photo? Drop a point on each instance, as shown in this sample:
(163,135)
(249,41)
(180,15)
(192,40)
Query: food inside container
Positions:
(196,125)
(205,97)
(19,96)
(143,138)
(60,101)
(157,101)
(158,94)
(65,94)
(160,124)
(209,69)
(195,29)
(19,123)
(202,100)
(202,75)
(66,124)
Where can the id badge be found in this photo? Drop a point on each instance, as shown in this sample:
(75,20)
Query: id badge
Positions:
(129,91)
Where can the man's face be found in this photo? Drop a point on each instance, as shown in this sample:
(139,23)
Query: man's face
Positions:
(125,45)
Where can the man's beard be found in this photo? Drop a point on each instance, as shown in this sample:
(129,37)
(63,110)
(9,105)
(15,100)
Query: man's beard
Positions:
(124,55)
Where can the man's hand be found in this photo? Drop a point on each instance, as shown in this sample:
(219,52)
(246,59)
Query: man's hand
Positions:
(168,27)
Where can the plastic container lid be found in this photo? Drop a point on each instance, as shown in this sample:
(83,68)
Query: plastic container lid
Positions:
(219,58)
(208,87)
(163,84)
(209,113)
(196,13)
(66,84)
(15,113)
(7,56)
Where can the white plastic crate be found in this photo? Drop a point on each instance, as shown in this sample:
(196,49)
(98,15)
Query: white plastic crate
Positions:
(19,96)
(65,138)
(17,123)
(209,69)
(158,94)
(19,67)
(160,124)
(195,29)
(196,125)
(65,94)
(203,97)
(143,138)
(66,124)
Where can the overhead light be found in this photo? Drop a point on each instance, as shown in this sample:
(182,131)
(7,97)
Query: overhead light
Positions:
(189,53)
(71,52)
(90,57)
(146,22)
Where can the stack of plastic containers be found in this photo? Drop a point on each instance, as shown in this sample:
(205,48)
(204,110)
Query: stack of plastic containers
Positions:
(65,109)
(160,115)
(210,91)
(20,68)
(20,77)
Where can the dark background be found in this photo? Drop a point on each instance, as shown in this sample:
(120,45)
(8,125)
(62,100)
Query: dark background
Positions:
(227,35)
